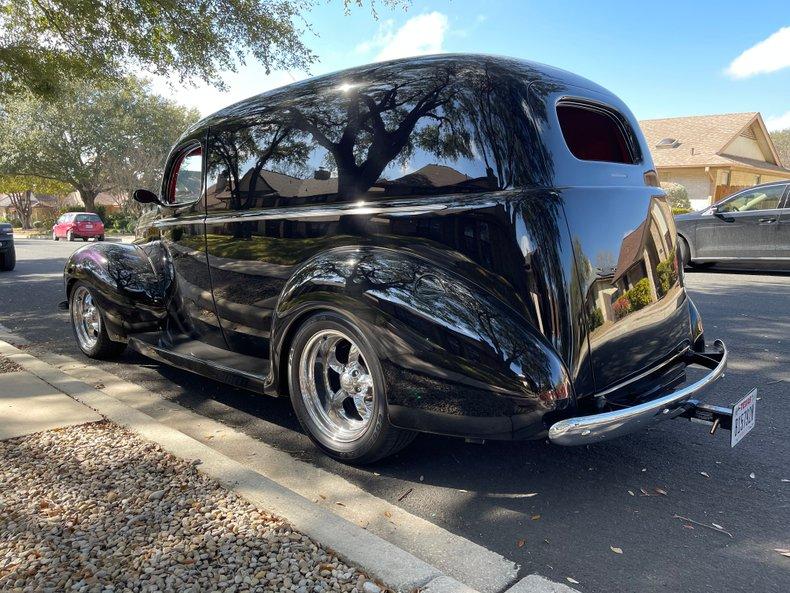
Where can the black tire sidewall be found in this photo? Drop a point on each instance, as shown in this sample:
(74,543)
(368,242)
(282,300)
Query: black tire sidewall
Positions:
(366,447)
(104,347)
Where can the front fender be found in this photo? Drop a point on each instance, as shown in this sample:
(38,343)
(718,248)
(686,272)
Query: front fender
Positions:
(129,287)
(458,360)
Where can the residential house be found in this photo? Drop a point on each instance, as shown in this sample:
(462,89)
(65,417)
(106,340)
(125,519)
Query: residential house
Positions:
(713,156)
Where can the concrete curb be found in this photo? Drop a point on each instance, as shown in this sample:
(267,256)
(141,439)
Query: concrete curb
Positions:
(378,558)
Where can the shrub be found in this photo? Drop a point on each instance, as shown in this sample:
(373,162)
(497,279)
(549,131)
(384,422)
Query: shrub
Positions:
(596,318)
(667,275)
(622,306)
(677,195)
(640,295)
(676,211)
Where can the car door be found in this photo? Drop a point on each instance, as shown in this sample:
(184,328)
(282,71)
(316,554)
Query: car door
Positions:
(191,316)
(782,253)
(742,227)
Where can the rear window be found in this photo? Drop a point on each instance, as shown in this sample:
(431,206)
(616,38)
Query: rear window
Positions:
(594,133)
(88,218)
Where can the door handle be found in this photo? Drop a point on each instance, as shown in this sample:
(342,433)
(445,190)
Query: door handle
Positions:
(767,220)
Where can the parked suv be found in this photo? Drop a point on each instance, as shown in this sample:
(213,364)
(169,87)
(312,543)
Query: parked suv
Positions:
(7,251)
(78,225)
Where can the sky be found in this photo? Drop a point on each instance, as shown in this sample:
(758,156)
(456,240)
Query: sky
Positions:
(664,59)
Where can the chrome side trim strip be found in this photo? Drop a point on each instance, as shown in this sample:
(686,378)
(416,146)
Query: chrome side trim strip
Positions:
(584,430)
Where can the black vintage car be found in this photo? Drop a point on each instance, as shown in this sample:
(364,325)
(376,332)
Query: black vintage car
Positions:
(749,229)
(7,249)
(464,245)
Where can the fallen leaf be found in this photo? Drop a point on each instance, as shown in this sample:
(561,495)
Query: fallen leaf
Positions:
(322,496)
(529,494)
(785,480)
(687,526)
(535,517)
(521,543)
(376,474)
(616,550)
(387,514)
(705,474)
(570,580)
(717,526)
(783,552)
(751,475)
(99,386)
(340,504)
(631,492)
(662,492)
(405,494)
(644,492)
(644,469)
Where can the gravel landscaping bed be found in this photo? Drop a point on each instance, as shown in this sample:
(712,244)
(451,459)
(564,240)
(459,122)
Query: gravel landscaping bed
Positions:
(95,508)
(8,366)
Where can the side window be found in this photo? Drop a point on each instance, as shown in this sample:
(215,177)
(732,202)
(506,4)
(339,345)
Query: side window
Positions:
(594,133)
(765,198)
(186,177)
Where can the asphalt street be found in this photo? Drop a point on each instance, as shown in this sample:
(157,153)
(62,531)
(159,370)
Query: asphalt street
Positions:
(556,511)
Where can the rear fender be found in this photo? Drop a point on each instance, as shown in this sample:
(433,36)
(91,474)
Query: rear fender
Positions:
(447,346)
(129,287)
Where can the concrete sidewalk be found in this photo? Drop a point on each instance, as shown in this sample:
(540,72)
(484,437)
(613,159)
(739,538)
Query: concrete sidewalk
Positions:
(29,405)
(43,397)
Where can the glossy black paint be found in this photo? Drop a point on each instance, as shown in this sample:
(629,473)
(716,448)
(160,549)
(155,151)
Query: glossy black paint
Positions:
(756,237)
(7,249)
(434,202)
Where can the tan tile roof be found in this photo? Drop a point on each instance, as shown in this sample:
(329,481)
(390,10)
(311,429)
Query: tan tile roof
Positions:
(706,134)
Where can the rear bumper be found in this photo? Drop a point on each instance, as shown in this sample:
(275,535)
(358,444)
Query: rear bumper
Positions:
(583,430)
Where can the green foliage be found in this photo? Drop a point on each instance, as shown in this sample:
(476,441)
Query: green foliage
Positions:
(781,139)
(676,211)
(46,42)
(10,184)
(667,275)
(93,138)
(596,318)
(640,295)
(677,195)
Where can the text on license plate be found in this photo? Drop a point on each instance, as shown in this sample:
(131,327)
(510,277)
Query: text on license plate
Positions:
(743,416)
(88,225)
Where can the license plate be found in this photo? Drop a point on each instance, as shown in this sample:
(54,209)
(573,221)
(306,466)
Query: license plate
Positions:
(88,225)
(743,416)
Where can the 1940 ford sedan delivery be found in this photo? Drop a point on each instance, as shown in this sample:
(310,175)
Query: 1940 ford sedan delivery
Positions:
(463,245)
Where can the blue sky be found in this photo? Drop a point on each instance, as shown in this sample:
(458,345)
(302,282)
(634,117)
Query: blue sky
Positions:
(664,59)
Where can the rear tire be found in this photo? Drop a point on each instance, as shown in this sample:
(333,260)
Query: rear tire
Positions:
(101,237)
(70,236)
(54,236)
(338,391)
(8,261)
(89,326)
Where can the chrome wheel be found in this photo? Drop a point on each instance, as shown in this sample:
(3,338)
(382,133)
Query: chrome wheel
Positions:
(336,386)
(86,318)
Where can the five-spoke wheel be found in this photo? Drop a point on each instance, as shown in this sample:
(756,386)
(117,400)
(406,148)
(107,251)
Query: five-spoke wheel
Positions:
(338,391)
(88,325)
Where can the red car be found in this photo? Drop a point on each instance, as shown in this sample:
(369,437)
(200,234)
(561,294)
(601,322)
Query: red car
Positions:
(78,225)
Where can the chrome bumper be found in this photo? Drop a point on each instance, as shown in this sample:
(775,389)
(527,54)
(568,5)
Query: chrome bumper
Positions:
(584,430)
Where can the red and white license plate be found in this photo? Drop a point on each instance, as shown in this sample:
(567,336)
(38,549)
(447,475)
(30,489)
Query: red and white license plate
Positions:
(88,225)
(743,417)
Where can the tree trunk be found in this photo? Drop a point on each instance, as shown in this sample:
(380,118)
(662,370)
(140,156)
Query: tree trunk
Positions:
(88,199)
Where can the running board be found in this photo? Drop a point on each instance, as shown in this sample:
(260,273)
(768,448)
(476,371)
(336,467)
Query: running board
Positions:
(209,361)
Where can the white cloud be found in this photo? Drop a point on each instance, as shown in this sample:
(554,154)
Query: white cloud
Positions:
(420,35)
(769,55)
(778,122)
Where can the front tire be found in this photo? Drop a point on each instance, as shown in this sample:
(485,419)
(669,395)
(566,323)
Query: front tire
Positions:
(54,236)
(338,391)
(685,252)
(89,326)
(70,236)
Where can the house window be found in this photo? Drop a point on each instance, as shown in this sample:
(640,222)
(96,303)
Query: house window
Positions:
(594,133)
(725,178)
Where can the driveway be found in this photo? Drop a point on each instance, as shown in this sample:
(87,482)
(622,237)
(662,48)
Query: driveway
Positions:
(586,500)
